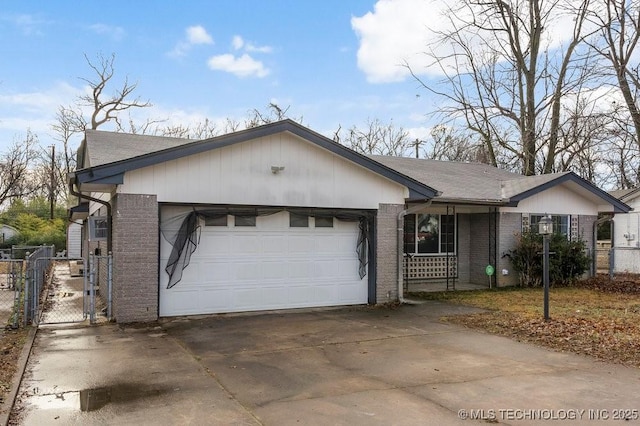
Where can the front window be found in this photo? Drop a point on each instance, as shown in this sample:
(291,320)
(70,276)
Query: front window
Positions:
(429,234)
(560,223)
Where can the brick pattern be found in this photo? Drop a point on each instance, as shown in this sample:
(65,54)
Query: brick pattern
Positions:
(135,258)
(575,228)
(429,267)
(387,252)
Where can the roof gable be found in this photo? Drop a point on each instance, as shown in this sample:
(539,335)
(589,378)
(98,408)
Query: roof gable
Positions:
(484,184)
(110,169)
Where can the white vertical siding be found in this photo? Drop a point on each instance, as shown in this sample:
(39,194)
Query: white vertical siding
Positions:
(241,174)
(74,240)
(556,200)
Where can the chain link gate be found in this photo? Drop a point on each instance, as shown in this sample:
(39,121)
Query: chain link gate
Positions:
(79,290)
(11,287)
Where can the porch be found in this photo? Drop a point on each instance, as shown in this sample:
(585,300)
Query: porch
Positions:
(450,247)
(436,273)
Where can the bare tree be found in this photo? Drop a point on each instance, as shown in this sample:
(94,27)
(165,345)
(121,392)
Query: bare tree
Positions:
(376,138)
(447,144)
(107,107)
(618,22)
(16,180)
(72,121)
(504,80)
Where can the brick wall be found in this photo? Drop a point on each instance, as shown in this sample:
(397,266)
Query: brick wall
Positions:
(135,258)
(509,227)
(387,252)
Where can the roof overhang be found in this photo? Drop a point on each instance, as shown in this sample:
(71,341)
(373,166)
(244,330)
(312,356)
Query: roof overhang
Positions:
(104,178)
(79,212)
(579,186)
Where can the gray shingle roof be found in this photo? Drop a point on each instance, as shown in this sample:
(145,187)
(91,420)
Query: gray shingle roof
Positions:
(110,147)
(463,181)
(111,154)
(624,194)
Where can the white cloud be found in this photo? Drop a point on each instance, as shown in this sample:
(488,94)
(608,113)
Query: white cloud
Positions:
(194,35)
(116,33)
(28,24)
(35,111)
(241,66)
(399,32)
(197,34)
(393,33)
(238,43)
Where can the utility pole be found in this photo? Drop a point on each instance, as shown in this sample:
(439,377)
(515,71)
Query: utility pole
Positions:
(52,190)
(417,144)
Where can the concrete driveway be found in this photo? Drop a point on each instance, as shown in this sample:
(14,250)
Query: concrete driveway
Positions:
(368,366)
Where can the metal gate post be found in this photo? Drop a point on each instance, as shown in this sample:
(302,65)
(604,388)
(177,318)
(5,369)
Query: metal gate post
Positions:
(92,283)
(85,289)
(27,281)
(109,284)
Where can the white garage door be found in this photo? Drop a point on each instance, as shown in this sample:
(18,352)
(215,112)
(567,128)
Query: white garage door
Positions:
(271,265)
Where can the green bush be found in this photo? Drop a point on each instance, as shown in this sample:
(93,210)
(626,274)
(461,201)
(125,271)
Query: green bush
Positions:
(32,220)
(567,259)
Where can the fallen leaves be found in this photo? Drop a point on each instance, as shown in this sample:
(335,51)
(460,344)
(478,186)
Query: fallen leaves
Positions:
(596,317)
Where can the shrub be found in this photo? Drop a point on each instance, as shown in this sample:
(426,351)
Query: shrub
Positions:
(567,259)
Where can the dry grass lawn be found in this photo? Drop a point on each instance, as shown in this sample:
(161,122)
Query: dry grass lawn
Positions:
(597,317)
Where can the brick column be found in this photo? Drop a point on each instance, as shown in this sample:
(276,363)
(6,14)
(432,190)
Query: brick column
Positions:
(135,258)
(387,252)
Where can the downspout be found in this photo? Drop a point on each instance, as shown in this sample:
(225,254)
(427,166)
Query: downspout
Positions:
(72,191)
(400,230)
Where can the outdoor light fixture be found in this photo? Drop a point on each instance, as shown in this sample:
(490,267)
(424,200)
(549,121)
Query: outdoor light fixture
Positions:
(276,169)
(545,228)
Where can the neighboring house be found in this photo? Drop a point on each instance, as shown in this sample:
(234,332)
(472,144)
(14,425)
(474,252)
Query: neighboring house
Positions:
(7,232)
(279,216)
(74,235)
(625,234)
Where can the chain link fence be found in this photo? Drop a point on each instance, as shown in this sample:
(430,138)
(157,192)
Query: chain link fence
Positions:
(42,289)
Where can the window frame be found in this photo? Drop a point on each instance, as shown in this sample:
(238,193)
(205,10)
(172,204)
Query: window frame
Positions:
(212,221)
(319,220)
(98,233)
(298,220)
(415,241)
(555,218)
(251,221)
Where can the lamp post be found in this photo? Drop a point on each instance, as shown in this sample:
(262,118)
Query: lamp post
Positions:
(545,228)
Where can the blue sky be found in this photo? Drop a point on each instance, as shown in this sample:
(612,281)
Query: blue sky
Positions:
(332,62)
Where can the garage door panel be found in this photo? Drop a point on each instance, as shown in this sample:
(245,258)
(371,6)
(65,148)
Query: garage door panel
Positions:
(244,244)
(214,243)
(300,269)
(274,245)
(273,270)
(270,266)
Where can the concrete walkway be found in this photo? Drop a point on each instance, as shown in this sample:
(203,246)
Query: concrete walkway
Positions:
(364,366)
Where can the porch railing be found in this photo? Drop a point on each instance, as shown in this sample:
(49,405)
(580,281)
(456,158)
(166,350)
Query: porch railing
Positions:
(430,267)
